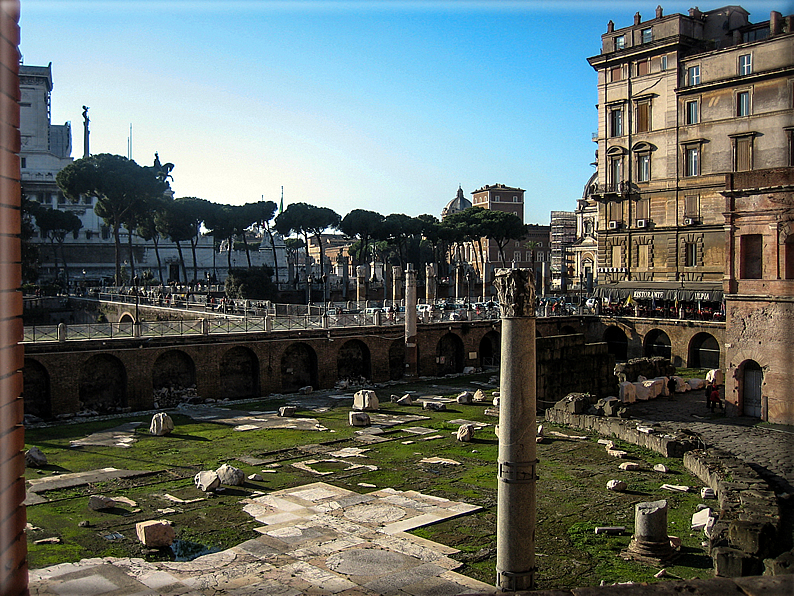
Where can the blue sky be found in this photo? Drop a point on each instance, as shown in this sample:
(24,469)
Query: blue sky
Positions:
(385,105)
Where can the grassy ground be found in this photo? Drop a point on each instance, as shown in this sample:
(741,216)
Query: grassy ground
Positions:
(572,495)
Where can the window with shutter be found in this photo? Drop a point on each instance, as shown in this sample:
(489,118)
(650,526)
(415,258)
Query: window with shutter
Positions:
(691,206)
(743,154)
(644,116)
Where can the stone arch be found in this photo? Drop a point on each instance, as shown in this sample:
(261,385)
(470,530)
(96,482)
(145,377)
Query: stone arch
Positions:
(239,373)
(36,389)
(126,318)
(175,369)
(449,354)
(568,330)
(298,367)
(103,384)
(396,360)
(617,343)
(657,343)
(751,378)
(490,349)
(704,351)
(353,360)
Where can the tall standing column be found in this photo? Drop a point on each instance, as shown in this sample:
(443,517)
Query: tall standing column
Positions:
(458,282)
(13,542)
(410,322)
(397,289)
(515,531)
(361,288)
(430,283)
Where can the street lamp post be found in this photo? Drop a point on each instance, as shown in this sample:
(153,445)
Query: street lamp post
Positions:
(309,281)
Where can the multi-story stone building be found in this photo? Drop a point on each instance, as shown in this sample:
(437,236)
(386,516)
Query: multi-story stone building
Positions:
(683,100)
(759,292)
(563,237)
(89,253)
(532,251)
(585,248)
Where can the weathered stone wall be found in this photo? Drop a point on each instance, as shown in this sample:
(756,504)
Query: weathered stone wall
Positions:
(566,364)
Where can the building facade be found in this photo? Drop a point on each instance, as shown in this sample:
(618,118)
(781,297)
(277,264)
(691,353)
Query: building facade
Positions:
(759,294)
(563,237)
(585,248)
(532,251)
(682,101)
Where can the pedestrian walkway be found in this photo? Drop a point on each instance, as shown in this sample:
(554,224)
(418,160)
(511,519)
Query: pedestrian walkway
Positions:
(768,449)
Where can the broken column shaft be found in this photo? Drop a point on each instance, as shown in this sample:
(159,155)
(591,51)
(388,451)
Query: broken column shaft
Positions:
(410,322)
(515,532)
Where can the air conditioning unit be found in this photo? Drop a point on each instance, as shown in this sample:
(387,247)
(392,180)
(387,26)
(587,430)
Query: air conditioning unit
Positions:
(689,221)
(614,225)
(642,223)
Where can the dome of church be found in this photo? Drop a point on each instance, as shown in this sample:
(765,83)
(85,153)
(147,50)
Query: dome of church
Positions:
(459,203)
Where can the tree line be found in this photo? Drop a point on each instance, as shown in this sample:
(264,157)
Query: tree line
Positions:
(137,200)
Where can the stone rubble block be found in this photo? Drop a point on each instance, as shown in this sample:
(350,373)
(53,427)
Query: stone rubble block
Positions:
(627,393)
(35,458)
(155,533)
(479,396)
(465,433)
(434,406)
(707,493)
(465,397)
(629,466)
(616,485)
(100,502)
(161,424)
(305,390)
(286,411)
(230,476)
(405,400)
(732,562)
(358,419)
(207,481)
(754,538)
(617,453)
(700,519)
(365,401)
(661,468)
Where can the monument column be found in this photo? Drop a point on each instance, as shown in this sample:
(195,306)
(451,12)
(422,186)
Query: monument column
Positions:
(410,322)
(361,289)
(430,284)
(396,285)
(515,530)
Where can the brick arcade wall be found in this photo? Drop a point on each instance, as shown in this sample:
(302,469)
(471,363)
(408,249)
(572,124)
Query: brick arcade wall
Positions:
(212,356)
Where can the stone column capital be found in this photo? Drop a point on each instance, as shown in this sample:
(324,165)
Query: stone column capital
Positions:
(516,291)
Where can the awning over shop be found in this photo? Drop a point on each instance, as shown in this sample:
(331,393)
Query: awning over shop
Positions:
(688,291)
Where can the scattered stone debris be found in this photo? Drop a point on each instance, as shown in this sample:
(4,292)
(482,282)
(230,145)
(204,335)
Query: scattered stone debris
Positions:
(255,477)
(700,519)
(305,390)
(84,524)
(616,453)
(675,488)
(51,540)
(431,438)
(161,424)
(616,485)
(35,458)
(358,419)
(629,465)
(155,533)
(465,397)
(349,452)
(465,433)
(286,411)
(207,480)
(174,499)
(366,485)
(434,406)
(707,493)
(610,530)
(564,436)
(479,396)
(173,395)
(439,460)
(100,502)
(661,468)
(365,401)
(230,476)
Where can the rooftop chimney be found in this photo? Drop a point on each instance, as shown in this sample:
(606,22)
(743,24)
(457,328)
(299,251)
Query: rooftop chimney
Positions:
(775,23)
(659,12)
(637,18)
(610,27)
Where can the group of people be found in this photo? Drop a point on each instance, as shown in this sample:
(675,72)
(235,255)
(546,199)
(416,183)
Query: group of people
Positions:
(713,399)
